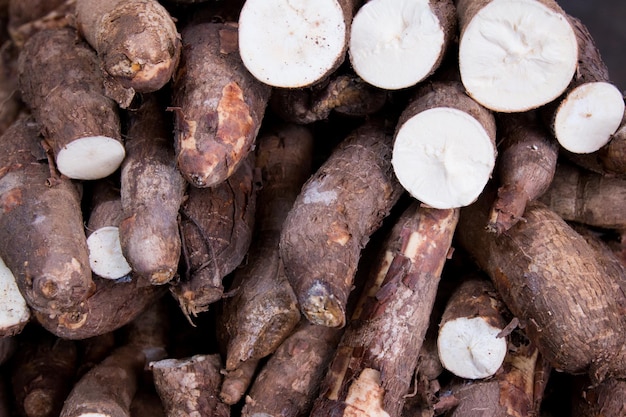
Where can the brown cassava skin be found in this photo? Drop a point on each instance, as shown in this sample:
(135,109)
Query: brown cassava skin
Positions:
(12,104)
(511,393)
(263,309)
(108,388)
(607,399)
(288,383)
(149,331)
(337,210)
(218,105)
(41,225)
(475,297)
(550,279)
(189,387)
(105,207)
(43,373)
(345,94)
(93,350)
(136,40)
(386,330)
(527,157)
(146,403)
(216,228)
(236,381)
(28,17)
(152,191)
(587,197)
(113,305)
(67,99)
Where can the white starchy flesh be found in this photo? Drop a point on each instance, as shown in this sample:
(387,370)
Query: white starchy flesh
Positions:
(105,253)
(291,43)
(90,157)
(13,308)
(395,43)
(516,55)
(588,116)
(443,157)
(469,348)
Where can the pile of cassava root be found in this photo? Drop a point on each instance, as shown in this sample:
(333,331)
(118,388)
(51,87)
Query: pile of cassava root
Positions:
(289,208)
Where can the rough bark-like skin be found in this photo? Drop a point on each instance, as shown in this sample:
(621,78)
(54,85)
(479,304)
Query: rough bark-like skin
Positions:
(511,393)
(136,40)
(264,310)
(105,208)
(219,105)
(527,158)
(344,94)
(29,17)
(216,227)
(42,239)
(108,388)
(10,98)
(587,197)
(189,387)
(386,331)
(288,383)
(475,297)
(605,400)
(549,278)
(67,99)
(152,191)
(337,210)
(42,374)
(236,381)
(113,305)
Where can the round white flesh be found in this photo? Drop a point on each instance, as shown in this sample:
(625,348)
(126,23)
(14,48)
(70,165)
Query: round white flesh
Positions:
(90,157)
(469,348)
(588,116)
(443,157)
(13,308)
(105,253)
(516,55)
(395,43)
(291,43)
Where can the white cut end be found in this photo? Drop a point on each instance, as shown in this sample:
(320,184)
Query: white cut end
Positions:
(395,43)
(443,157)
(470,349)
(14,311)
(90,158)
(588,116)
(291,43)
(105,253)
(517,55)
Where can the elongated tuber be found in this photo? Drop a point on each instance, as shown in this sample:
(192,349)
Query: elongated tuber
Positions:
(80,124)
(42,239)
(152,191)
(373,366)
(551,279)
(337,210)
(137,41)
(218,105)
(525,167)
(216,227)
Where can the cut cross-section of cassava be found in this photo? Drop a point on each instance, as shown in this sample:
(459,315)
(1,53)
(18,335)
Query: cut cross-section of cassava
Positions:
(515,55)
(294,43)
(468,343)
(592,108)
(395,44)
(444,149)
(14,312)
